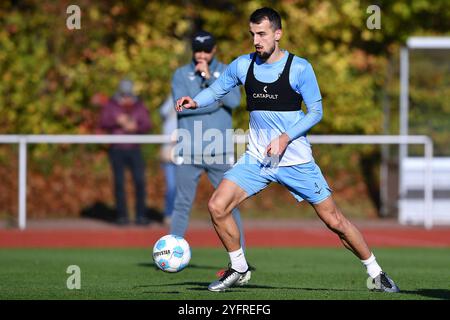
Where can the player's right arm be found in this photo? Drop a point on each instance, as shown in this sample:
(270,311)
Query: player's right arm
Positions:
(180,89)
(185,102)
(226,81)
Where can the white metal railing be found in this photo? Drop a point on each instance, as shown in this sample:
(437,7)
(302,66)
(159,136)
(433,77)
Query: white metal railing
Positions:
(24,140)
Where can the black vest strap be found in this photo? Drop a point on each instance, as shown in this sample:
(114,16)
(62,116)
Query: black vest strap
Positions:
(274,96)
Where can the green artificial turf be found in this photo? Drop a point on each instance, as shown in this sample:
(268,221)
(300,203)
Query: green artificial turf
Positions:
(281,273)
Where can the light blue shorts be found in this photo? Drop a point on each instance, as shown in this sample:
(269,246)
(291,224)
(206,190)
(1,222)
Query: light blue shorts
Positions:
(304,181)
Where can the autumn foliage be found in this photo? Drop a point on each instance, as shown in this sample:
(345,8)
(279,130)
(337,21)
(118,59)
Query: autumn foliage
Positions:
(53,79)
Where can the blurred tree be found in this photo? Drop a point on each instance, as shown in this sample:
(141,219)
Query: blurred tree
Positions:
(49,74)
(61,69)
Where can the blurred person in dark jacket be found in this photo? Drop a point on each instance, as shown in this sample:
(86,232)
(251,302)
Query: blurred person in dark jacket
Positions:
(125,113)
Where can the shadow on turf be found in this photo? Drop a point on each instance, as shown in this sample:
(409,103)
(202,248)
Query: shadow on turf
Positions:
(194,266)
(430,293)
(103,212)
(165,292)
(200,286)
(253,286)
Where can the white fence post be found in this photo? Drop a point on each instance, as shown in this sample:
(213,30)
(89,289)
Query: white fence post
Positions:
(428,188)
(22,182)
(404,112)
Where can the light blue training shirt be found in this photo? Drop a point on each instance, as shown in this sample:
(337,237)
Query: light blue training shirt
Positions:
(267,125)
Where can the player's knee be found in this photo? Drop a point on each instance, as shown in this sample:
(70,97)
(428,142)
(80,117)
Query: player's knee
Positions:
(216,208)
(337,223)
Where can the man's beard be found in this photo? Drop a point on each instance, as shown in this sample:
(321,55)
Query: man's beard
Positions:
(264,55)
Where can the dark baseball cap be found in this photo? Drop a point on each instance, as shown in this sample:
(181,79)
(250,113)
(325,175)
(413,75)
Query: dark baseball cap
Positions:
(203,41)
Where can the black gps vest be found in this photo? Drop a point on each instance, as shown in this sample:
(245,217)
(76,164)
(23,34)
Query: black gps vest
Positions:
(274,96)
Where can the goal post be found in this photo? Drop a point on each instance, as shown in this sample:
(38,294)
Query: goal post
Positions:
(422,61)
(413,43)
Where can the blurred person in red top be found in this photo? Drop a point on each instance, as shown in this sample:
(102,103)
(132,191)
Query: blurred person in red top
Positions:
(125,113)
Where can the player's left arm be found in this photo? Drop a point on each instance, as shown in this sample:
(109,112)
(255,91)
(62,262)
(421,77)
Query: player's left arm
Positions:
(309,89)
(312,117)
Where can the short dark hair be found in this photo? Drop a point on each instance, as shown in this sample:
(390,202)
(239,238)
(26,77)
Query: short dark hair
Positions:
(267,13)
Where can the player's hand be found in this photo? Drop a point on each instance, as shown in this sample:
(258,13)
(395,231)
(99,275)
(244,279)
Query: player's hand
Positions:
(277,146)
(203,68)
(185,102)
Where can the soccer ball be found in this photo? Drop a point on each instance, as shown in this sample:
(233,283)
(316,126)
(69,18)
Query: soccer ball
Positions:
(171,253)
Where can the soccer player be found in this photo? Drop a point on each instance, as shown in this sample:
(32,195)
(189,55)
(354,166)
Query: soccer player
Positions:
(276,82)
